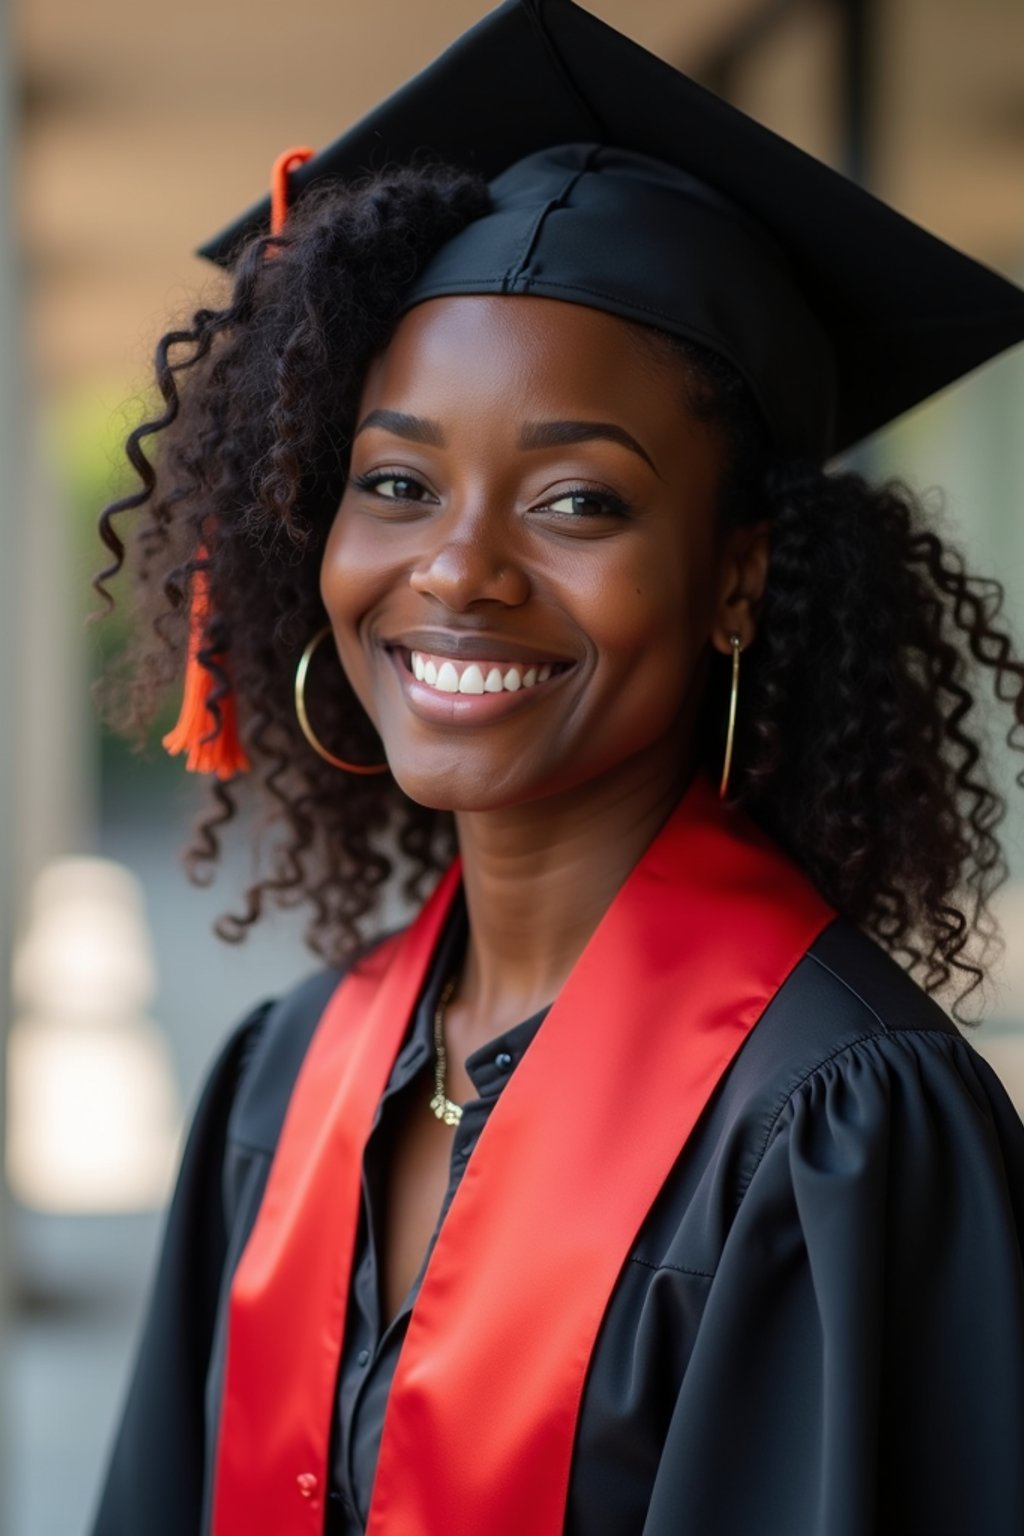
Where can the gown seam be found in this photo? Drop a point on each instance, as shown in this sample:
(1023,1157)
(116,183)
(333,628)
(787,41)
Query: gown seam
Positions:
(787,1096)
(679,1269)
(852,991)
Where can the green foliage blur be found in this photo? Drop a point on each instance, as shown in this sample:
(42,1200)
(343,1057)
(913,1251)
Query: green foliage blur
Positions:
(87,442)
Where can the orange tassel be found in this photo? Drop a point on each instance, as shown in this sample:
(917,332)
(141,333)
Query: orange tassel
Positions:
(212,746)
(283,165)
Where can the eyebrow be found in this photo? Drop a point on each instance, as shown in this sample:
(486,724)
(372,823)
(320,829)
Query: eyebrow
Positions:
(416,428)
(556,434)
(535,434)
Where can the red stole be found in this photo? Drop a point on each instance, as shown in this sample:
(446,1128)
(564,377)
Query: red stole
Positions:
(482,1412)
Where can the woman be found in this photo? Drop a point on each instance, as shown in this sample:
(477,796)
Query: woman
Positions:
(635,1186)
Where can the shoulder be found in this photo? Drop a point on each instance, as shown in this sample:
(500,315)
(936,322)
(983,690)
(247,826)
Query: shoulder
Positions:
(850,1070)
(271,1045)
(844,995)
(274,1041)
(848,988)
(860,986)
(851,1038)
(851,1047)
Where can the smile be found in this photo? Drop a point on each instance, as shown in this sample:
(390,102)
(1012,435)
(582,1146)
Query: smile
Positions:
(475,677)
(445,690)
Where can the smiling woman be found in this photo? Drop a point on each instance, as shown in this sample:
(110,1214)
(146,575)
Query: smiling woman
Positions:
(635,1186)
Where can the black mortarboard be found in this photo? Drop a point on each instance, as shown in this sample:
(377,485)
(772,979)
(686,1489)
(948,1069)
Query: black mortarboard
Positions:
(840,313)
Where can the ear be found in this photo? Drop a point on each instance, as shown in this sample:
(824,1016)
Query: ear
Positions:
(742,573)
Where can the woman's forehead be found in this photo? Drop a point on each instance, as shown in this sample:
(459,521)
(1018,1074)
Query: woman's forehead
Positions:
(493,377)
(524,350)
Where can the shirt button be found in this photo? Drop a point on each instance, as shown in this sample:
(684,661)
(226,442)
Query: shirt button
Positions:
(308,1484)
(363,1357)
(503,1061)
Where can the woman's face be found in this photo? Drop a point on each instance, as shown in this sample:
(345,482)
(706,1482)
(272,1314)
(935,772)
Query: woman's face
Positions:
(523,577)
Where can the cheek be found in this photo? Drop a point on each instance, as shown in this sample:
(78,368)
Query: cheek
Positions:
(352,580)
(650,642)
(650,623)
(355,570)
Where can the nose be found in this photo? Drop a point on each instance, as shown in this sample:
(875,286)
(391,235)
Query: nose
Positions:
(469,563)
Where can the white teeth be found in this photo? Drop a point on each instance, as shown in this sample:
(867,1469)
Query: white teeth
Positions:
(448,678)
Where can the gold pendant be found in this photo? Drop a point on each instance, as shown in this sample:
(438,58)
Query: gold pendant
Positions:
(445,1110)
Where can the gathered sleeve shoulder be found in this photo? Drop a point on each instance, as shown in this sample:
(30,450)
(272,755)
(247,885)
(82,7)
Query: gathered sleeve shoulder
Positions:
(859,1368)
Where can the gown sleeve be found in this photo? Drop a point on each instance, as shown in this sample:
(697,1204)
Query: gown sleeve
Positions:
(859,1367)
(154,1481)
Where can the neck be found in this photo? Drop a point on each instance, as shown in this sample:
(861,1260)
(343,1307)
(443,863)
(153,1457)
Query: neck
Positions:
(538,878)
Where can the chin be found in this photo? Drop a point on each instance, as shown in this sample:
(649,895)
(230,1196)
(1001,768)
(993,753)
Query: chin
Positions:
(444,789)
(462,786)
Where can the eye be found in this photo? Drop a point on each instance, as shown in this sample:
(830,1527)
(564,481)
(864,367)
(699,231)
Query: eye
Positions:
(584,501)
(405,488)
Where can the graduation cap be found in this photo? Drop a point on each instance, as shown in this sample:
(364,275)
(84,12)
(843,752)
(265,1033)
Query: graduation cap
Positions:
(618,183)
(622,184)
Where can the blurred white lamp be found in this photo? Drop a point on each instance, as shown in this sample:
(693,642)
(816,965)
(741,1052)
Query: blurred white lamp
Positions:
(92,1108)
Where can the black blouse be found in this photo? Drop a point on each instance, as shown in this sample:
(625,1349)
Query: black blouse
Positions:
(370,1352)
(819,1330)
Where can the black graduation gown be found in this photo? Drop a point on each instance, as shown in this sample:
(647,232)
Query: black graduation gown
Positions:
(820,1329)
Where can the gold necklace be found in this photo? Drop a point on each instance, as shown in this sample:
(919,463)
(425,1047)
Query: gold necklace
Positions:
(441,1104)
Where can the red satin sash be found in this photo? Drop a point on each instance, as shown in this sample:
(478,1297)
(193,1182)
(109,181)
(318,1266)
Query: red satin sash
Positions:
(481,1417)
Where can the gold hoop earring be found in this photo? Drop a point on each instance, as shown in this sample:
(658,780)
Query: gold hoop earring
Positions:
(723,788)
(301,673)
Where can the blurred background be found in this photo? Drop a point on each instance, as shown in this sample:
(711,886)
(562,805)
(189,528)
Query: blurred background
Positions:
(130,132)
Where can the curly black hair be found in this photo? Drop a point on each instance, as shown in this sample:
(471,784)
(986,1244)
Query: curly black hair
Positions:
(861,742)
